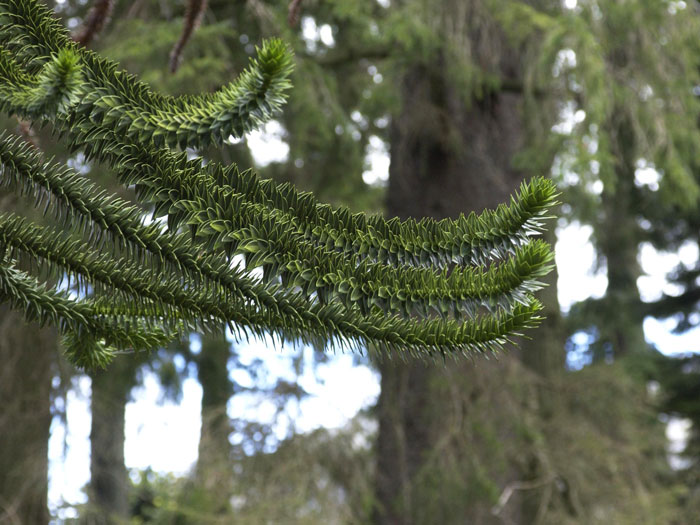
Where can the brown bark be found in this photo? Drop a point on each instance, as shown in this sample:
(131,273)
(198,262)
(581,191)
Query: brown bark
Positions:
(94,22)
(27,354)
(193,18)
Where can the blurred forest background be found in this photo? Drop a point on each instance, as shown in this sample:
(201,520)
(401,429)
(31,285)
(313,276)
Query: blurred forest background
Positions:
(467,98)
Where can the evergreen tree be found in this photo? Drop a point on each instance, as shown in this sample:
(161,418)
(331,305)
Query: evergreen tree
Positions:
(326,273)
(108,490)
(680,381)
(453,150)
(348,269)
(621,116)
(214,463)
(470,105)
(643,118)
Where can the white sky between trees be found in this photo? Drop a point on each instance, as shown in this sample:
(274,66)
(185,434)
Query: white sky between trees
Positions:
(165,436)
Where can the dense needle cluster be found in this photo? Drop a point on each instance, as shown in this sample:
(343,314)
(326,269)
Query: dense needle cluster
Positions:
(231,248)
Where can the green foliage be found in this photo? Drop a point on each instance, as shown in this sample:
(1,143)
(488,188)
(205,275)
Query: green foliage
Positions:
(427,287)
(51,91)
(634,69)
(587,447)
(679,378)
(607,465)
(321,477)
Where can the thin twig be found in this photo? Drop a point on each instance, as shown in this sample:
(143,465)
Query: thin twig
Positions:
(518,485)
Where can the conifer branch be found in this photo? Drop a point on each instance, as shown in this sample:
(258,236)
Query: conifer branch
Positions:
(419,287)
(115,99)
(79,317)
(51,91)
(282,312)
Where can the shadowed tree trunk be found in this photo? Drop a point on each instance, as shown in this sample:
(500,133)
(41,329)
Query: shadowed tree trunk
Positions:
(109,481)
(618,239)
(214,468)
(447,157)
(544,352)
(27,354)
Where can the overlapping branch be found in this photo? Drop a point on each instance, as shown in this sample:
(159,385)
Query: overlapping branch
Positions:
(424,287)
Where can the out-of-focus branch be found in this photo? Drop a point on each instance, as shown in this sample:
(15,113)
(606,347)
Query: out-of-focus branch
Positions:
(294,11)
(193,17)
(134,9)
(518,485)
(96,19)
(340,59)
(26,131)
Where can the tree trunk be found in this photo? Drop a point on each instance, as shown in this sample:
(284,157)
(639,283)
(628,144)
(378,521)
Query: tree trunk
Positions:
(430,177)
(214,468)
(618,241)
(109,481)
(27,354)
(619,245)
(447,158)
(544,352)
